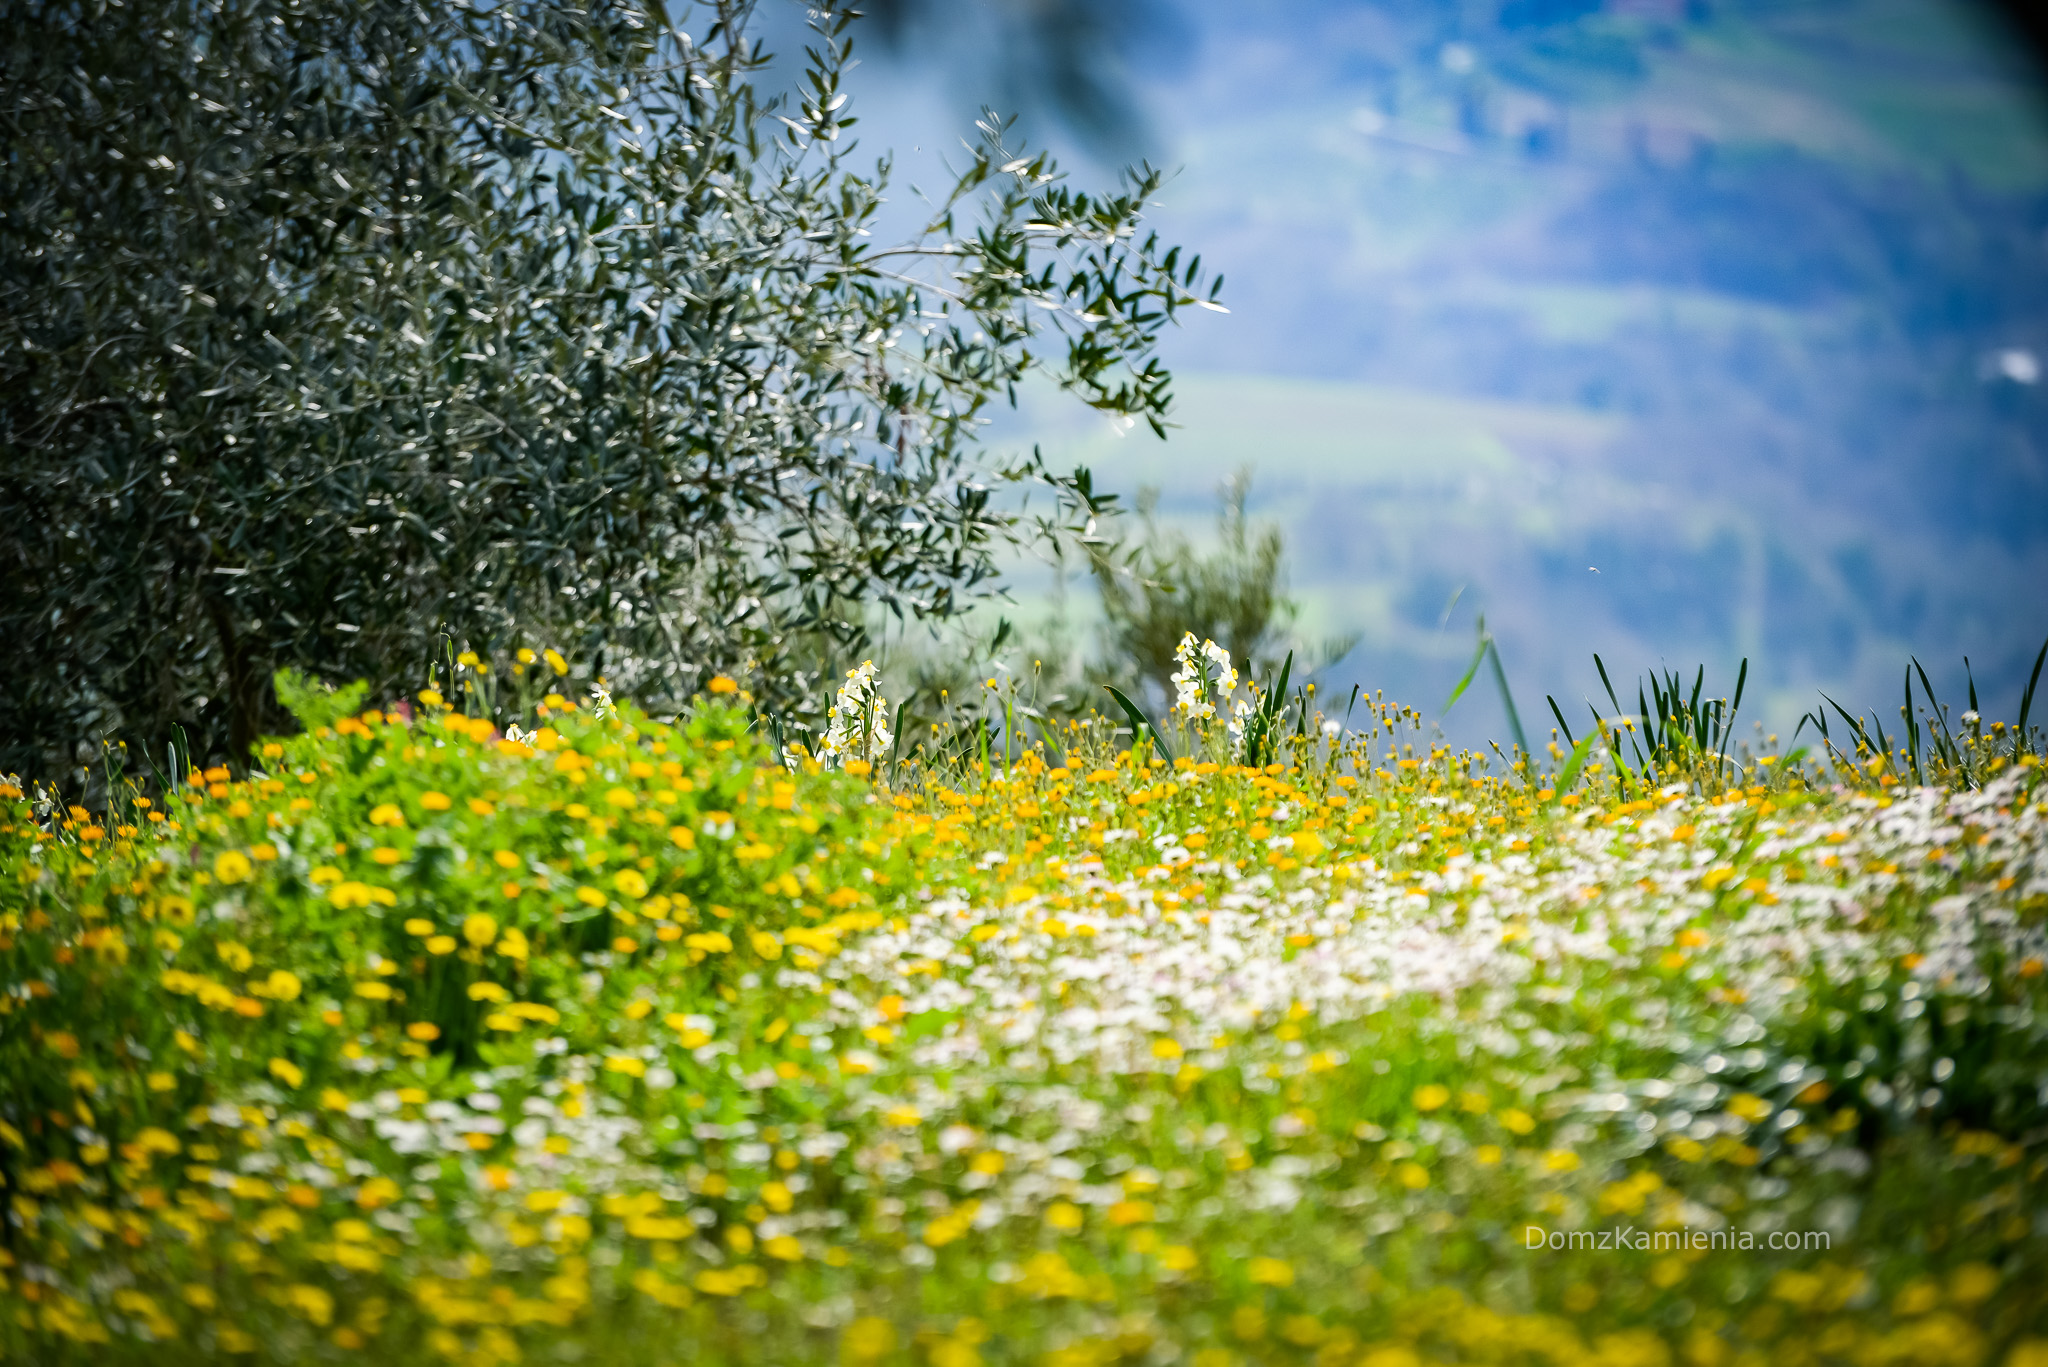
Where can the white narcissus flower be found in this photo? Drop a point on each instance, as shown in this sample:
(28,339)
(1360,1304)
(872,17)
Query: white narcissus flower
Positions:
(1239,715)
(1226,672)
(1195,692)
(859,729)
(1189,680)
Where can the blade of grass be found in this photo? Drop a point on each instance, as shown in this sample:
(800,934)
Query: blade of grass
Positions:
(1471,672)
(1727,732)
(1269,711)
(1912,728)
(1562,724)
(1140,724)
(1884,742)
(1507,699)
(1604,683)
(1948,751)
(2027,698)
(1570,773)
(896,741)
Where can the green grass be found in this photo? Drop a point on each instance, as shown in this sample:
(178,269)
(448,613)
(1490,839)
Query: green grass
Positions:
(625,1043)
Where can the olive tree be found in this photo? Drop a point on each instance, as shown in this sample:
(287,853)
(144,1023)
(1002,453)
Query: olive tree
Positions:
(336,331)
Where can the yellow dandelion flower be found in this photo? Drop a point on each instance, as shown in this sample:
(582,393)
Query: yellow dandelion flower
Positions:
(436,802)
(154,1140)
(1270,1272)
(1748,1106)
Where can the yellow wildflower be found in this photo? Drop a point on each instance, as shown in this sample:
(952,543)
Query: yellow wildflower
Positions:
(1270,1272)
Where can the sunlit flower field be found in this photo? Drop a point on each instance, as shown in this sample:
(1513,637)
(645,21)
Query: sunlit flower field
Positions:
(616,1040)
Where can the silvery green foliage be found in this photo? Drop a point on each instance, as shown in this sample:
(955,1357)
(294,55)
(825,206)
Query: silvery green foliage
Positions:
(328,327)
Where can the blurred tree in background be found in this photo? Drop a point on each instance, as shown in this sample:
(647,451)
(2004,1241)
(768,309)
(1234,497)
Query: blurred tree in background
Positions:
(334,332)
(1234,593)
(1153,585)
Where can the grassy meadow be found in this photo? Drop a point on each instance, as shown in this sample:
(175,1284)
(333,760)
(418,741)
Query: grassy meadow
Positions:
(584,1036)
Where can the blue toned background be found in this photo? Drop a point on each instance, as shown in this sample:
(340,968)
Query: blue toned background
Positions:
(1744,304)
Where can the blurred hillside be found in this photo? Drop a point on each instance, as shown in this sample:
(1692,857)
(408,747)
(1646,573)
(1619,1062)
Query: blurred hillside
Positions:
(1745,305)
